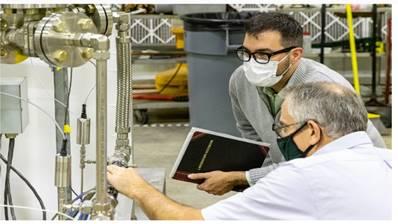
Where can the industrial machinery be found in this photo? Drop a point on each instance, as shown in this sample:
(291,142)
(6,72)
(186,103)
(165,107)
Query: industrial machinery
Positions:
(67,36)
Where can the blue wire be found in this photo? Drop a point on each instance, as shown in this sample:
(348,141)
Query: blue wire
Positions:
(83,216)
(77,196)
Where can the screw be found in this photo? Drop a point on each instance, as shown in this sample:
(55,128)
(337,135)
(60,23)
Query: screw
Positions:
(59,26)
(60,56)
(85,24)
(4,24)
(91,8)
(87,53)
(3,52)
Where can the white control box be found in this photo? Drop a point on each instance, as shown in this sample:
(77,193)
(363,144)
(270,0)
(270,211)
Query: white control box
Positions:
(13,111)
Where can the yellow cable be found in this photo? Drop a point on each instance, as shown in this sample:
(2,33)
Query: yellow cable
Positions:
(354,62)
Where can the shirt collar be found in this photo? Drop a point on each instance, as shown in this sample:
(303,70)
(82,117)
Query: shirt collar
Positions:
(346,142)
(297,75)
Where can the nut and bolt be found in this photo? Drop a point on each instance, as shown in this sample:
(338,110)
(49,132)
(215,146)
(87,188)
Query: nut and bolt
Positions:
(85,24)
(59,26)
(3,52)
(88,53)
(3,24)
(60,56)
(90,8)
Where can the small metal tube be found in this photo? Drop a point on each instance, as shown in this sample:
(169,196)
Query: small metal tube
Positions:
(82,138)
(82,166)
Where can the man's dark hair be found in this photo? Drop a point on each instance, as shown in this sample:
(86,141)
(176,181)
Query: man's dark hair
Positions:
(290,30)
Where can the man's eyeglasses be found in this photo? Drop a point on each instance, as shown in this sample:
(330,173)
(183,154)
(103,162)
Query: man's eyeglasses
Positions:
(280,130)
(259,56)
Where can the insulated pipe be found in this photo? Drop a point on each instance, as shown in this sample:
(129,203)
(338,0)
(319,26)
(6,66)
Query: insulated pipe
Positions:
(101,128)
(102,205)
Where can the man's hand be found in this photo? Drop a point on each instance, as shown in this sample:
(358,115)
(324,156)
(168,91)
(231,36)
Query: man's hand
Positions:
(219,182)
(155,204)
(125,180)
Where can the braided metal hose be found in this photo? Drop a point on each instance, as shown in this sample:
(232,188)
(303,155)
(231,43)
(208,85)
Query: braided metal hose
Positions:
(124,69)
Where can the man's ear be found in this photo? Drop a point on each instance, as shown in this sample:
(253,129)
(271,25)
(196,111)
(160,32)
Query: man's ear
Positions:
(316,132)
(296,54)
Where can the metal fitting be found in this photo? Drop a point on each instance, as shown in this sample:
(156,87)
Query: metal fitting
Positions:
(83,131)
(88,53)
(63,171)
(96,41)
(71,206)
(11,135)
(121,17)
(86,207)
(101,55)
(101,42)
(3,25)
(102,211)
(90,8)
(59,26)
(60,56)
(122,142)
(85,24)
(3,52)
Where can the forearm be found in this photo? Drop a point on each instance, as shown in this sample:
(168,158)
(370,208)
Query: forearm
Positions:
(159,207)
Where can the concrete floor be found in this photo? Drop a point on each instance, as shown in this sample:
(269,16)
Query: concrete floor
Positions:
(158,145)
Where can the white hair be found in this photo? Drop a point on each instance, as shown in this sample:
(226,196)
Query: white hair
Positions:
(336,108)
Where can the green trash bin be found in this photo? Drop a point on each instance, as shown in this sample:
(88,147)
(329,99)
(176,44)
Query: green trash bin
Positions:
(210,42)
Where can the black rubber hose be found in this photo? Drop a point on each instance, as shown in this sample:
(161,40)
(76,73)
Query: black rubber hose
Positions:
(7,188)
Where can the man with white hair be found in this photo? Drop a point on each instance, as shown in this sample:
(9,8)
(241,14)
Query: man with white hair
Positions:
(341,174)
(272,58)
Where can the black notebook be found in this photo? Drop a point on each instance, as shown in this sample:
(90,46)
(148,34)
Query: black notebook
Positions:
(205,150)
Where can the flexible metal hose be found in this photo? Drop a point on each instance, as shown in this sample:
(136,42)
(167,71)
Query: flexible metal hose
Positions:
(124,68)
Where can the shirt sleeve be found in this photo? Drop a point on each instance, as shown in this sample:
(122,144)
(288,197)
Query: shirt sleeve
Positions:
(283,194)
(256,174)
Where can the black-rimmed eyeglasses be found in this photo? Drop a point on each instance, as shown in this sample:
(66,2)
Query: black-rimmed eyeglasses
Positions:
(259,56)
(280,130)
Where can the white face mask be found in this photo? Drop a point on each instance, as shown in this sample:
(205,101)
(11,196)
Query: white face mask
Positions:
(263,74)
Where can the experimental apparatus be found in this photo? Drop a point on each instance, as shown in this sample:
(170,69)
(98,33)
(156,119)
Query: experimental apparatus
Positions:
(67,36)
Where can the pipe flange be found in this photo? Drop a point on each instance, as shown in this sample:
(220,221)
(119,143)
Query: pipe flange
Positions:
(57,26)
(103,19)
